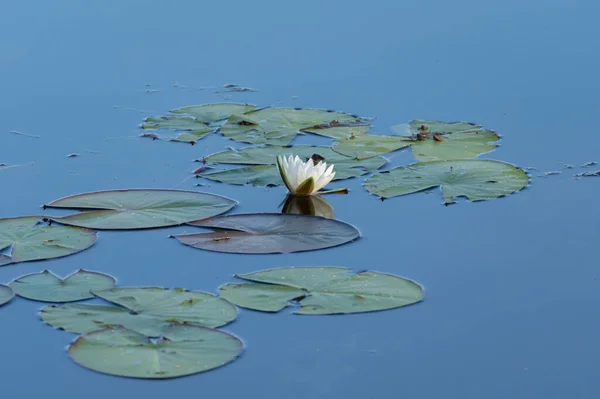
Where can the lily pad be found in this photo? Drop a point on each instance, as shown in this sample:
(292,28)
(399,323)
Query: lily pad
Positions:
(47,287)
(279,126)
(148,310)
(183,350)
(193,130)
(322,290)
(339,132)
(266,233)
(25,239)
(140,209)
(364,146)
(6,294)
(472,178)
(211,113)
(445,141)
(264,172)
(198,121)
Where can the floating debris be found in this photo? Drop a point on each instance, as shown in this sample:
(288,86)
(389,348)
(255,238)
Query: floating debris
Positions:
(25,134)
(73,155)
(588,174)
(553,173)
(233,88)
(567,165)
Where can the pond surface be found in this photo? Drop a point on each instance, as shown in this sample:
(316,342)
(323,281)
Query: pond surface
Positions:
(512,289)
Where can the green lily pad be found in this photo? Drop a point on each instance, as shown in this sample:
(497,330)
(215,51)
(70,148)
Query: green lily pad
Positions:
(193,130)
(211,113)
(148,310)
(445,141)
(322,290)
(263,170)
(47,287)
(364,146)
(256,175)
(140,209)
(25,239)
(266,233)
(6,294)
(472,178)
(198,121)
(279,126)
(339,132)
(183,350)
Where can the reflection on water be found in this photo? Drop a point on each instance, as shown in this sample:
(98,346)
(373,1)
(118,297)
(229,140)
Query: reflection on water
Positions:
(314,205)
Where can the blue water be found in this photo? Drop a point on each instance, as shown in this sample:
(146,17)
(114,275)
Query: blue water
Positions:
(511,308)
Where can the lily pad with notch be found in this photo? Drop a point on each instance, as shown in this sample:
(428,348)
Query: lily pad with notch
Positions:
(47,287)
(25,239)
(474,179)
(181,351)
(148,310)
(139,208)
(6,294)
(279,126)
(268,233)
(433,140)
(322,290)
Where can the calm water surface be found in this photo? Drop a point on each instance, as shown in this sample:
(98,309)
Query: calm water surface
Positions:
(512,287)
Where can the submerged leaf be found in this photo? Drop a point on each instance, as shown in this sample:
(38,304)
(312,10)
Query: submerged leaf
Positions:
(6,294)
(24,239)
(279,126)
(472,178)
(182,350)
(148,310)
(266,233)
(322,290)
(140,209)
(47,287)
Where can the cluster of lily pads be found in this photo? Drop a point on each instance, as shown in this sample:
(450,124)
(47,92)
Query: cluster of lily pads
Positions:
(444,151)
(152,332)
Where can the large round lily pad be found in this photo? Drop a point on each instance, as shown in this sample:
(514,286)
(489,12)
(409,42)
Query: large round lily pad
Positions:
(140,209)
(182,350)
(47,287)
(475,179)
(265,233)
(148,310)
(279,126)
(263,170)
(443,141)
(322,290)
(6,294)
(26,239)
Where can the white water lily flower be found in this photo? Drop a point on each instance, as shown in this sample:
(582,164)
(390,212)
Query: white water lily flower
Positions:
(304,178)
